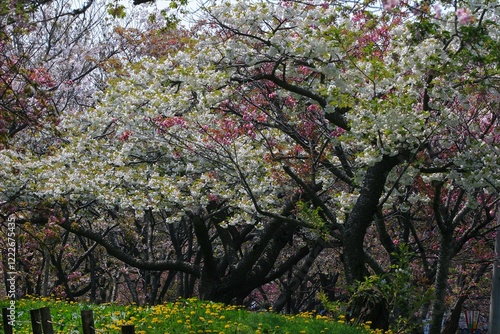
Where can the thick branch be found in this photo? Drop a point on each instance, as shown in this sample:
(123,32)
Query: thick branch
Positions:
(362,215)
(116,251)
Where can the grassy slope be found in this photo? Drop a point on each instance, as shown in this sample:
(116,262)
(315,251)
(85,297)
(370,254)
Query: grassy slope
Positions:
(183,317)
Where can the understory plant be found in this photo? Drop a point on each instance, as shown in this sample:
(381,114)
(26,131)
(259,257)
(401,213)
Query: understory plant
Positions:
(396,294)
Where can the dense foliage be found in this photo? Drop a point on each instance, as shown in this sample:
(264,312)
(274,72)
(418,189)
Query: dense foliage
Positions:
(270,150)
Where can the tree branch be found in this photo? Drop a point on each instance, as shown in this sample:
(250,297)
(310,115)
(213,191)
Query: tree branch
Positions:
(117,252)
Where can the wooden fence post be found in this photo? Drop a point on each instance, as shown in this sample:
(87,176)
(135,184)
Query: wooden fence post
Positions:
(36,321)
(46,320)
(128,329)
(88,322)
(7,327)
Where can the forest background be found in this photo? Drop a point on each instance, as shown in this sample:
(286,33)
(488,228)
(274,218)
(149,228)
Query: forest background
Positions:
(298,155)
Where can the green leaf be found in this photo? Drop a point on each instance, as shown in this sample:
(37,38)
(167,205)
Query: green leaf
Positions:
(116,11)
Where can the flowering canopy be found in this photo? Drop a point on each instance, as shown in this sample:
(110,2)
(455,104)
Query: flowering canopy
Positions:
(347,103)
(286,84)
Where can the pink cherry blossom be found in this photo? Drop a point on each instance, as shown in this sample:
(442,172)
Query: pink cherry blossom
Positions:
(125,135)
(438,11)
(464,16)
(390,4)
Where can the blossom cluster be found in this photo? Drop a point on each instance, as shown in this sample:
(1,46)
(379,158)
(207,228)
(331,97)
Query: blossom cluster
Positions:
(222,118)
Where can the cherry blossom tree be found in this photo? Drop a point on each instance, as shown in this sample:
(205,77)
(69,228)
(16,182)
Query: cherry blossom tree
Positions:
(275,123)
(51,64)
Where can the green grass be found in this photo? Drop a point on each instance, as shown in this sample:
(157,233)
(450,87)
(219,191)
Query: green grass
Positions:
(182,317)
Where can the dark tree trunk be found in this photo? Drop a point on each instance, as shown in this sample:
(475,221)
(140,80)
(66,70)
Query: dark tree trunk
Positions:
(362,215)
(132,288)
(256,265)
(451,323)
(166,286)
(298,278)
(209,276)
(356,225)
(443,269)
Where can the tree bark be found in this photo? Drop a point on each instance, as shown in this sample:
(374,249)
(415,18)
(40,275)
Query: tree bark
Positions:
(298,278)
(360,218)
(362,215)
(443,269)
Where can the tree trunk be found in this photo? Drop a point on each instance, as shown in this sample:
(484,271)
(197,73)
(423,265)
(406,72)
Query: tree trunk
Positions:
(298,278)
(443,269)
(362,215)
(360,218)
(451,323)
